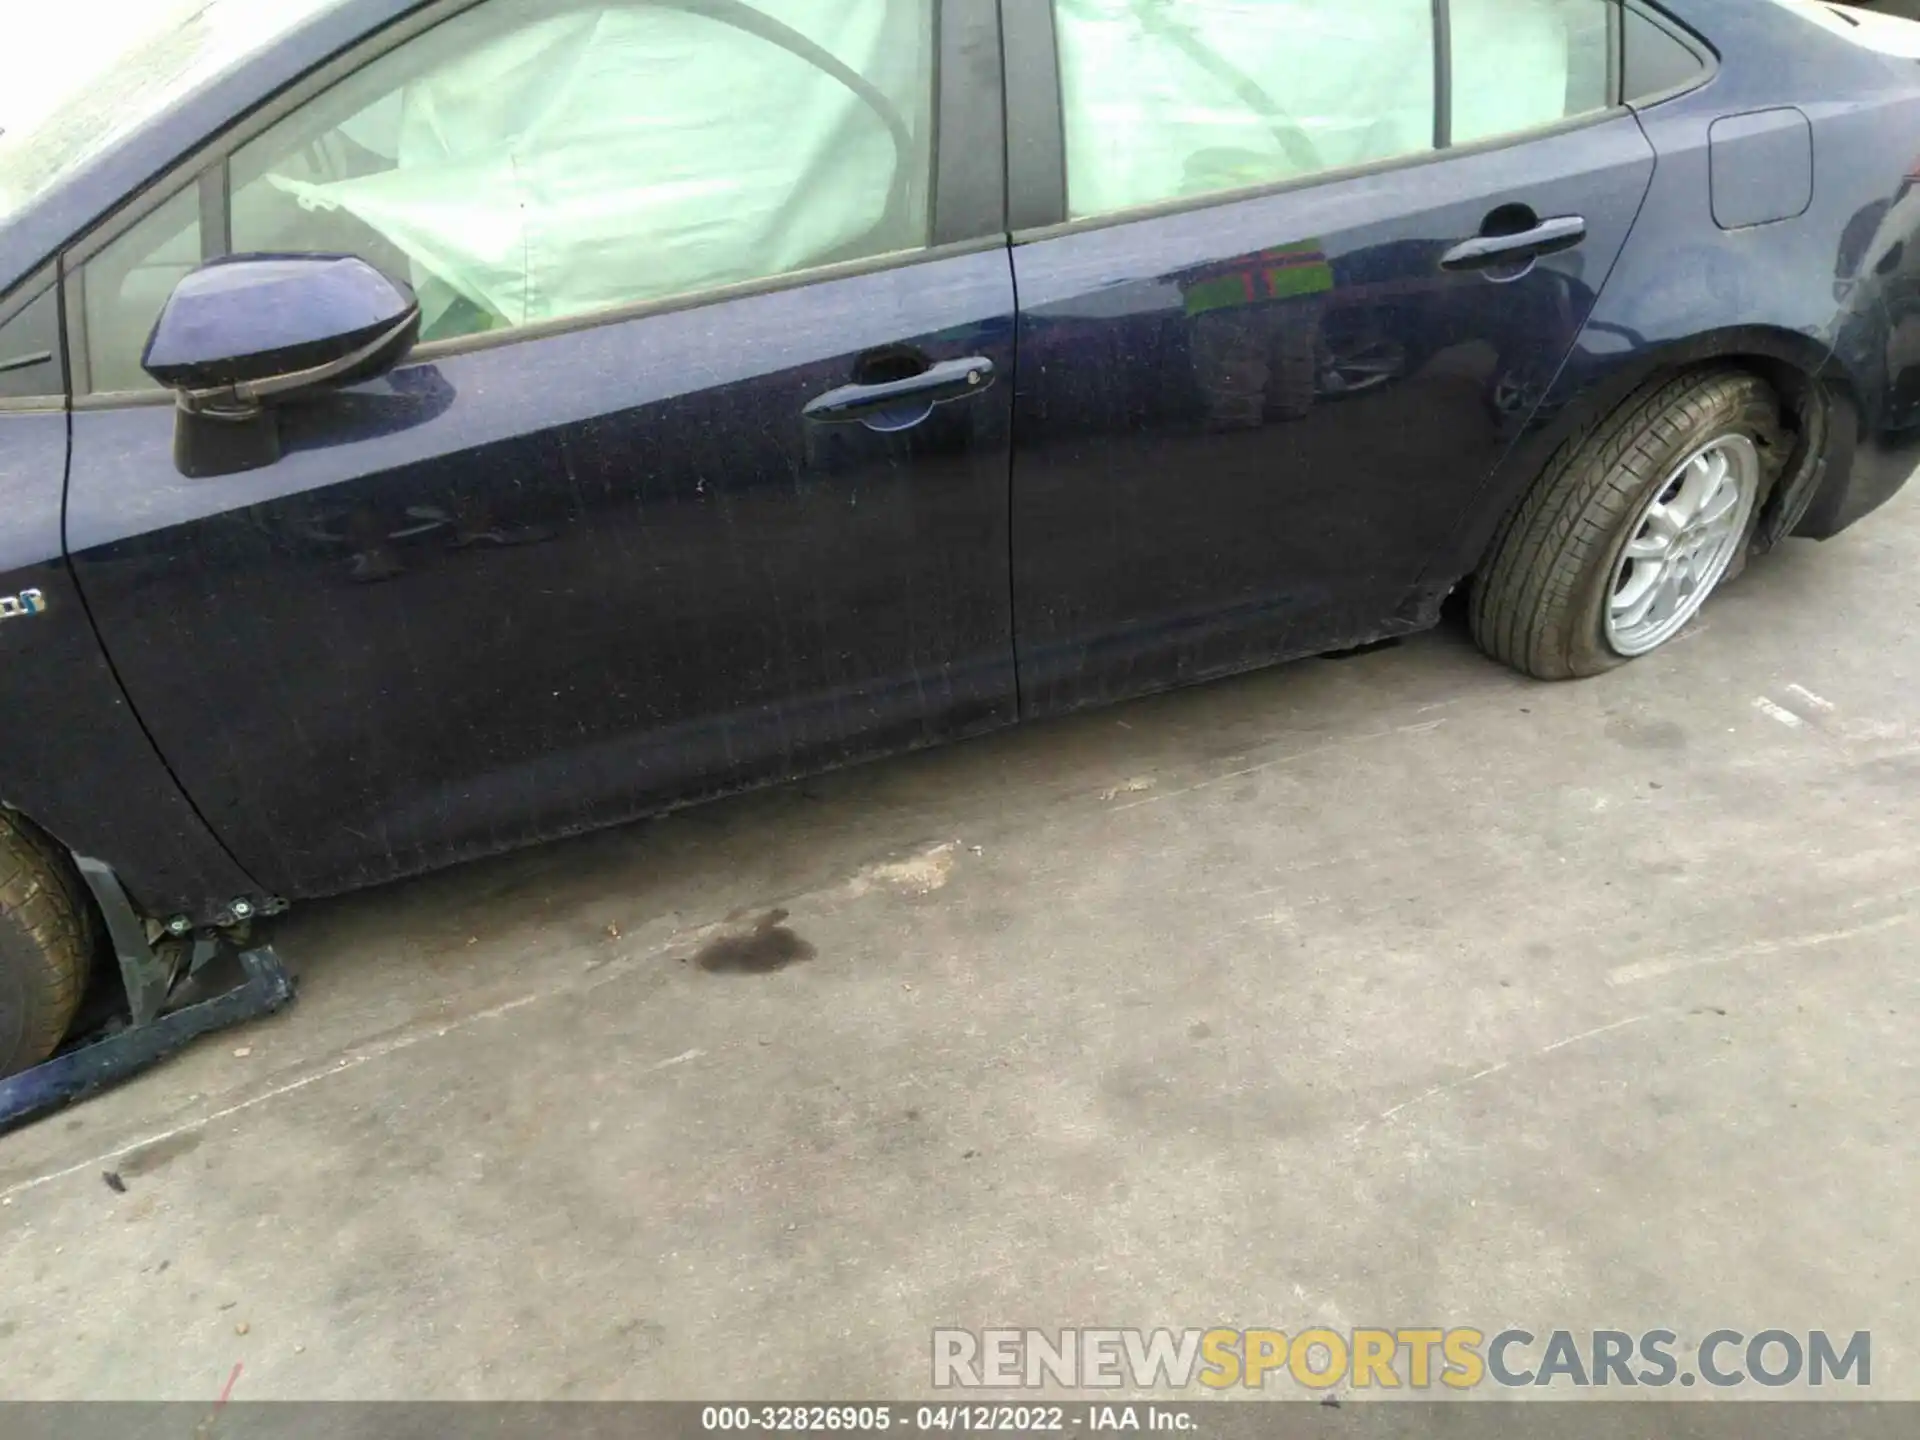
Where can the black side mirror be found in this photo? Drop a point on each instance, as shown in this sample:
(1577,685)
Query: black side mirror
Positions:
(242,334)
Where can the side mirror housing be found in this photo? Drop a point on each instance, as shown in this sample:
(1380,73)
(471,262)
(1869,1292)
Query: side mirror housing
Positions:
(241,334)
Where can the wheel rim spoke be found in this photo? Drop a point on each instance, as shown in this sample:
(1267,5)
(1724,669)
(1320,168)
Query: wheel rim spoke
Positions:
(1680,543)
(1719,505)
(1668,595)
(1698,480)
(1631,603)
(1662,520)
(1649,546)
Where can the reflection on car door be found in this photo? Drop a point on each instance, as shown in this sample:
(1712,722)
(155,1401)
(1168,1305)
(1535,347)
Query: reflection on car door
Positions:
(1242,424)
(533,583)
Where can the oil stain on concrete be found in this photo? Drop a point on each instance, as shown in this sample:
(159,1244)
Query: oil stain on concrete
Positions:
(769,946)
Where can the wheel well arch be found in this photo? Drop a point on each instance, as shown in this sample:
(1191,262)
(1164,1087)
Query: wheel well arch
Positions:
(20,817)
(1810,382)
(1797,367)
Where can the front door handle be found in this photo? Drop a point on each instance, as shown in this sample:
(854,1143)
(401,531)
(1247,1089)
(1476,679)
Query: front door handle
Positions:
(1486,252)
(891,400)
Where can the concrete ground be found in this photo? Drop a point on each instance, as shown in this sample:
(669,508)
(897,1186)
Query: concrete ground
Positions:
(1388,990)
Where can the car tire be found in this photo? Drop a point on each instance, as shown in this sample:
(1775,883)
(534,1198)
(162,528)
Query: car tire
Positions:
(44,949)
(1555,596)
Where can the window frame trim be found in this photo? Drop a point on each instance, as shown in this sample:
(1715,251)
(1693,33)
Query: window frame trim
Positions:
(1036,136)
(962,190)
(1704,53)
(1036,117)
(1616,52)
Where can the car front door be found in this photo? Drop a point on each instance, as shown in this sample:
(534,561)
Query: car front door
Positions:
(1291,276)
(698,477)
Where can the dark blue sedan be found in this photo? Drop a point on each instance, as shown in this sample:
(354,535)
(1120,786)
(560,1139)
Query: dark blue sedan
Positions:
(433,426)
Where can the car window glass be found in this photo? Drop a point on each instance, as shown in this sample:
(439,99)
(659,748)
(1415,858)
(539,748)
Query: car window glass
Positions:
(1520,64)
(528,161)
(532,160)
(124,286)
(1170,98)
(1652,62)
(30,360)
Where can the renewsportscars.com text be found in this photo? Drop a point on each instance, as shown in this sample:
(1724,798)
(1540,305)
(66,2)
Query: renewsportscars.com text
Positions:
(1382,1358)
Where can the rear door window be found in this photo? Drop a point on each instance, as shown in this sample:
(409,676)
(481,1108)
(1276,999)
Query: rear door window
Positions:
(1165,99)
(1522,64)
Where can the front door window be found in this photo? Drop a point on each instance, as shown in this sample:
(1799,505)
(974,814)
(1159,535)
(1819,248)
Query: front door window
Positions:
(528,162)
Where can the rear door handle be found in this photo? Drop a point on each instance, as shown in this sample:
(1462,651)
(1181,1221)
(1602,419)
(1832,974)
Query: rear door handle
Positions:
(1484,252)
(947,380)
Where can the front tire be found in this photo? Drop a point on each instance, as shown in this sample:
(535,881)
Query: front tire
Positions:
(1630,527)
(44,949)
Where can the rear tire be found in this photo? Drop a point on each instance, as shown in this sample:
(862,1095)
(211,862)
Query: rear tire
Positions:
(44,950)
(1542,603)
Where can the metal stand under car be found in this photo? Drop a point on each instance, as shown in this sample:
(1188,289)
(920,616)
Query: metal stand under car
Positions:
(173,997)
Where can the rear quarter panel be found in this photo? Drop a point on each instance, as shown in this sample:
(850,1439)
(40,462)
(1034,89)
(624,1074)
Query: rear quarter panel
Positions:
(1685,289)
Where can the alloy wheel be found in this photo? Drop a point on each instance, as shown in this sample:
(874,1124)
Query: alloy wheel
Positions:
(1681,543)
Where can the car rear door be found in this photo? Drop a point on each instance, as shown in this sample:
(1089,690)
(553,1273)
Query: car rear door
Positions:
(1291,277)
(638,522)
